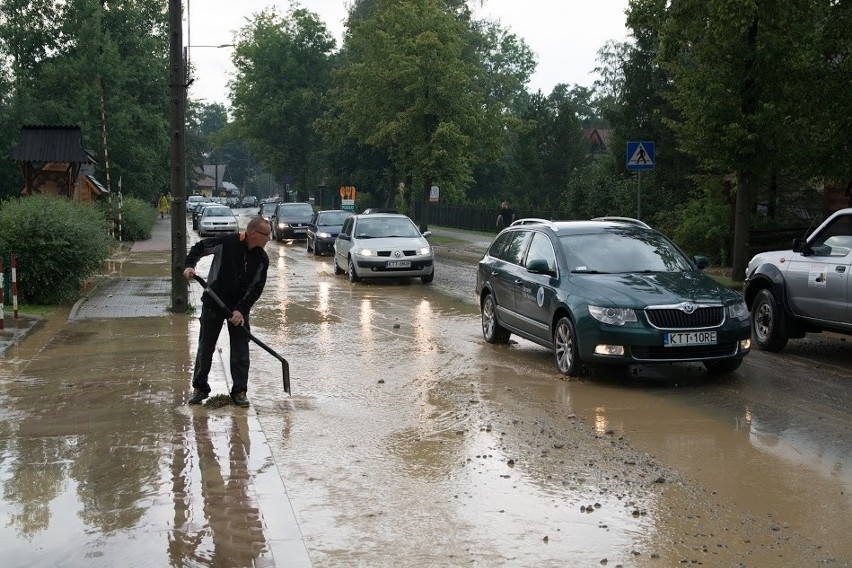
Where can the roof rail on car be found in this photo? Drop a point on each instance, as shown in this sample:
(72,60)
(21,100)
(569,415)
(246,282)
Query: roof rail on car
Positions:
(531,221)
(628,220)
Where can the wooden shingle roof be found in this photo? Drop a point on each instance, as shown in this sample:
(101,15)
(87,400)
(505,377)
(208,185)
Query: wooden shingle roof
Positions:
(50,144)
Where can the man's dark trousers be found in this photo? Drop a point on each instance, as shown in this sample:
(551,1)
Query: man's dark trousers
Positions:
(211,325)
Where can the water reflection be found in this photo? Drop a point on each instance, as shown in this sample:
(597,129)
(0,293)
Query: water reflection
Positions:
(227,529)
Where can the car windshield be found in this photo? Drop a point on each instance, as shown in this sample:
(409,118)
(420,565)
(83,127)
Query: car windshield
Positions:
(332,218)
(296,209)
(382,227)
(616,251)
(217,212)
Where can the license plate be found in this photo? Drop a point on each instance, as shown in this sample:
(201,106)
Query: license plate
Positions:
(298,230)
(398,264)
(689,338)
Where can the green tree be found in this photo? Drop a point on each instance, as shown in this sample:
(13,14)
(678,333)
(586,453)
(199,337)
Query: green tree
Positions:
(406,88)
(64,55)
(283,68)
(739,72)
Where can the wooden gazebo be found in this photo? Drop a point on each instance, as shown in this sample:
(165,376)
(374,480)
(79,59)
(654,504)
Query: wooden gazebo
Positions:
(53,160)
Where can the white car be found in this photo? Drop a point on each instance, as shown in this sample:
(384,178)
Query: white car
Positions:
(216,219)
(383,245)
(805,289)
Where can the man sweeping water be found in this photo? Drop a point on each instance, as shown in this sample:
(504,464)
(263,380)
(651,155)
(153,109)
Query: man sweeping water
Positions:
(237,276)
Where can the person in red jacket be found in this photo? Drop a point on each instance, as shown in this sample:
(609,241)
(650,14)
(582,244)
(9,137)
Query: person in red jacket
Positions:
(237,275)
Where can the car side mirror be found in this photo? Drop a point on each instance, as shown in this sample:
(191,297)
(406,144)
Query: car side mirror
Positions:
(701,262)
(427,234)
(540,266)
(801,245)
(343,237)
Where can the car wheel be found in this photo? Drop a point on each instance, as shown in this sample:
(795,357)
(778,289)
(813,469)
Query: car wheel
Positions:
(492,331)
(352,276)
(767,322)
(565,347)
(308,245)
(428,278)
(337,270)
(315,249)
(723,366)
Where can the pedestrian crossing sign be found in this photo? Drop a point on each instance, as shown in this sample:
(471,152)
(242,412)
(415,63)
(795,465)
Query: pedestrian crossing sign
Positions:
(640,155)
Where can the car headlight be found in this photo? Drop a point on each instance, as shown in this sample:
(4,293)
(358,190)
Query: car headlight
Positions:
(364,252)
(425,250)
(283,225)
(324,235)
(738,311)
(613,316)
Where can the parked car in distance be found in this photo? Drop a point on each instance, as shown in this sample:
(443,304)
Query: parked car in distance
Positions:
(192,201)
(323,230)
(196,212)
(805,289)
(248,201)
(290,220)
(608,293)
(383,245)
(267,209)
(217,219)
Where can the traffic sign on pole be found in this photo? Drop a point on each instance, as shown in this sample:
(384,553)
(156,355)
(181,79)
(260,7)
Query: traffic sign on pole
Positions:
(640,155)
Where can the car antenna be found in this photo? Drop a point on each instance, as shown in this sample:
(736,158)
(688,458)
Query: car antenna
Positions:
(811,226)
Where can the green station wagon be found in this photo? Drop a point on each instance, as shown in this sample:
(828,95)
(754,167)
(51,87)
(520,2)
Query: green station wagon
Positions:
(608,292)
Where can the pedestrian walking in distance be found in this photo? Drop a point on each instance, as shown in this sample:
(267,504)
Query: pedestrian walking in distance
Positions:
(237,275)
(163,205)
(505,216)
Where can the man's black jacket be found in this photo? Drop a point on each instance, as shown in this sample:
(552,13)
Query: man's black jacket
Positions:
(237,274)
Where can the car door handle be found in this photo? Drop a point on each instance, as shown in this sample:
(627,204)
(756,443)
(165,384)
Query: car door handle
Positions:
(494,273)
(519,282)
(840,268)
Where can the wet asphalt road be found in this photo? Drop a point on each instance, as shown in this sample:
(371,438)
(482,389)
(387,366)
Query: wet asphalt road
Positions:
(409,441)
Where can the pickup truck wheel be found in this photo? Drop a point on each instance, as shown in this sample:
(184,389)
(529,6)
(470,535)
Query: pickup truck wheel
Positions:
(767,322)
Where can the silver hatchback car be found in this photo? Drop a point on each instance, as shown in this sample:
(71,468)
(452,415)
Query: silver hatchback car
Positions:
(383,245)
(217,219)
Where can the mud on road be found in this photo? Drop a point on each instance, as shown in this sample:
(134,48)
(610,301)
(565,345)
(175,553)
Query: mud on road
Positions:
(410,441)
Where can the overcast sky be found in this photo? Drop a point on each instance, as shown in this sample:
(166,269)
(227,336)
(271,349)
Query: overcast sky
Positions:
(564,34)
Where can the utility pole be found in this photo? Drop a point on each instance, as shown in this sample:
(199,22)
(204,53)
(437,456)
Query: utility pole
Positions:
(177,156)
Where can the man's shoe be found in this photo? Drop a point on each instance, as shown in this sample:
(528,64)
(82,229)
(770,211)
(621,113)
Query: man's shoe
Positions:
(240,399)
(197,397)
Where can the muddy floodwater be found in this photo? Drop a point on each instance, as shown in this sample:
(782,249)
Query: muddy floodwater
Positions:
(409,441)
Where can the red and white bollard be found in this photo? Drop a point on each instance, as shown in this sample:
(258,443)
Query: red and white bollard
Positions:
(14,287)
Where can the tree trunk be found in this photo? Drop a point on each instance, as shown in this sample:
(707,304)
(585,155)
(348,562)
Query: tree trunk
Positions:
(424,219)
(742,221)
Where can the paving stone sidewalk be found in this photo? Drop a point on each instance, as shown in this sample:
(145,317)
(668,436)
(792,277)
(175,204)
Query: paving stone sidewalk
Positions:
(225,491)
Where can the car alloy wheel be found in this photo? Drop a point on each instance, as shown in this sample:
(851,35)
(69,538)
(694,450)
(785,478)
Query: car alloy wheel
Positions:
(565,347)
(337,270)
(767,322)
(492,331)
(353,277)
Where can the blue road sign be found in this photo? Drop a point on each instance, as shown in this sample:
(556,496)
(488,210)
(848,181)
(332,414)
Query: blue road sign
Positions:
(640,155)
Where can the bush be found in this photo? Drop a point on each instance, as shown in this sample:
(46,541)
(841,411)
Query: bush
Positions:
(137,218)
(58,245)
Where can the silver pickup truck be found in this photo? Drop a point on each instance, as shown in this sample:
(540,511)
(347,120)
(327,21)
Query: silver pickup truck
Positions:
(806,289)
